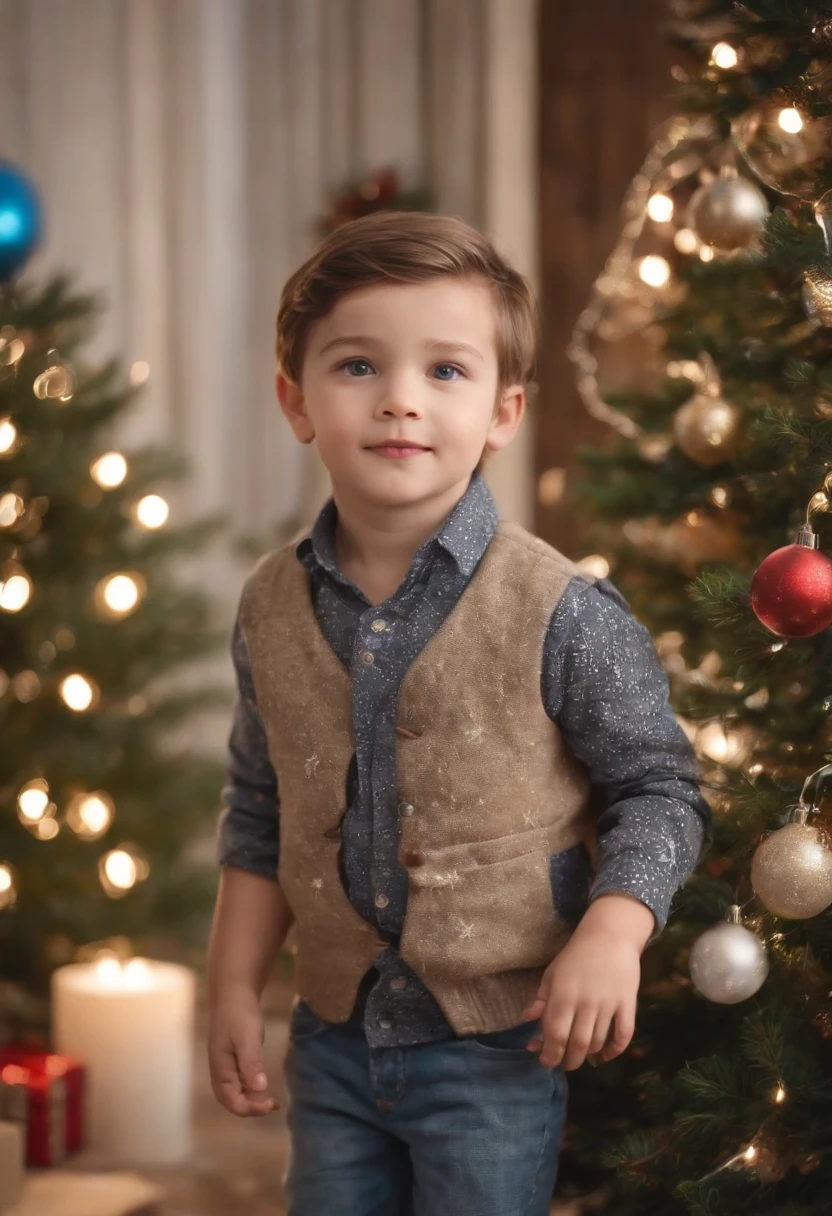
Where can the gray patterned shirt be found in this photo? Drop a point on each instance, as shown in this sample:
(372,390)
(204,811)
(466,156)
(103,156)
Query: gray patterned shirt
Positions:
(602,683)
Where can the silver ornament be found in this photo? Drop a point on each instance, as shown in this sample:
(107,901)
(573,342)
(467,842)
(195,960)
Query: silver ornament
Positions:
(728,963)
(728,212)
(791,871)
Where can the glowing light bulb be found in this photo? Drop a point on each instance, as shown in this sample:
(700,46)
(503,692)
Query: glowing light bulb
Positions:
(719,744)
(8,886)
(90,815)
(780,1094)
(109,470)
(11,509)
(595,565)
(686,240)
(660,208)
(750,1153)
(152,511)
(118,594)
(77,692)
(139,372)
(15,592)
(724,56)
(790,120)
(33,800)
(120,869)
(8,434)
(706,253)
(654,270)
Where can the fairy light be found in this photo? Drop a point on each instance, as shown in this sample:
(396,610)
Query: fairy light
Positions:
(660,208)
(77,692)
(775,646)
(11,509)
(706,253)
(595,565)
(152,511)
(686,240)
(90,814)
(654,270)
(8,435)
(120,869)
(780,1094)
(719,744)
(8,887)
(750,1153)
(33,800)
(109,470)
(724,56)
(15,591)
(790,120)
(118,594)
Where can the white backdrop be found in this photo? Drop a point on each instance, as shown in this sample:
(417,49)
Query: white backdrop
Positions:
(185,148)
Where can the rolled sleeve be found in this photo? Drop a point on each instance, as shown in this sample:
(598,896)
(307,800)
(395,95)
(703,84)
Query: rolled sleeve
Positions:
(248,828)
(605,687)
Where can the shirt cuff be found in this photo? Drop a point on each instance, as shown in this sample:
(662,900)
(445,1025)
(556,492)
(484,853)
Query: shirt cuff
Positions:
(650,884)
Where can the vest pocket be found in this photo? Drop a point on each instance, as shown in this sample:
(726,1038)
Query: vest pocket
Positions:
(303,1023)
(570,875)
(483,908)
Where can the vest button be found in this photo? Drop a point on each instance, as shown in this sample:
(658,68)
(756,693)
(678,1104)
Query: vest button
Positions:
(414,857)
(398,983)
(379,626)
(385,1024)
(406,809)
(367,658)
(381,900)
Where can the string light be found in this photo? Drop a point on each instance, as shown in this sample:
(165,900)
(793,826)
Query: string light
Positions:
(11,509)
(152,511)
(120,869)
(90,815)
(33,800)
(8,886)
(654,270)
(117,595)
(685,240)
(706,253)
(660,208)
(15,590)
(790,120)
(77,692)
(724,56)
(8,435)
(719,744)
(109,470)
(780,1094)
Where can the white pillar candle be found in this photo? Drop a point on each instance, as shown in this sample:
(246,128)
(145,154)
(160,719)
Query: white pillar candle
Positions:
(132,1025)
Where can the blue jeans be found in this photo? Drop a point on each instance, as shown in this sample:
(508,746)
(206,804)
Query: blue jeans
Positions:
(462,1127)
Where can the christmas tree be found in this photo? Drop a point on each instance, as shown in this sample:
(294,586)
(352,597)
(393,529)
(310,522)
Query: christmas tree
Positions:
(707,506)
(98,803)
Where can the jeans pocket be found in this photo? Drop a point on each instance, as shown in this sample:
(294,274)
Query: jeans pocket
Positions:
(303,1023)
(505,1044)
(570,875)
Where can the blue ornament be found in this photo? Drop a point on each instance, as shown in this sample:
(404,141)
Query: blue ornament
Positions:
(20,219)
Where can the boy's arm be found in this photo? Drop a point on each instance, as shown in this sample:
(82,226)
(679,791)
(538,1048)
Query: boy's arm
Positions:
(251,916)
(604,685)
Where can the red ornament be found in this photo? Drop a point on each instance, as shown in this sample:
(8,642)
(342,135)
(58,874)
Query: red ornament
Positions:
(791,592)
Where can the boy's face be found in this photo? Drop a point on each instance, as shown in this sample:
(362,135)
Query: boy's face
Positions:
(403,361)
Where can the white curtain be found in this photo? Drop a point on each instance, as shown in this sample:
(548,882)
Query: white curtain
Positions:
(184,150)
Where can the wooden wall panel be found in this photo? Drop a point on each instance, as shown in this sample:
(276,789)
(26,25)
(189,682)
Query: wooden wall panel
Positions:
(604,87)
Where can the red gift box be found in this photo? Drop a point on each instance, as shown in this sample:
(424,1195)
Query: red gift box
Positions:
(46,1092)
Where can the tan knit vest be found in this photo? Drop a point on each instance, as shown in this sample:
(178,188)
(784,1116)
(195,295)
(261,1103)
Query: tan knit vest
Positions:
(495,790)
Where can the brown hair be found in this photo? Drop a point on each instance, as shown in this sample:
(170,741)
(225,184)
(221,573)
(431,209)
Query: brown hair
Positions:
(406,247)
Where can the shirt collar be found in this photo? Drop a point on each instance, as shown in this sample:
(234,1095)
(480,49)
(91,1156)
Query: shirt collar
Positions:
(464,534)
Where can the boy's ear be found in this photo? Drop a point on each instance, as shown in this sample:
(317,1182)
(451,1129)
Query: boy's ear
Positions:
(508,414)
(291,402)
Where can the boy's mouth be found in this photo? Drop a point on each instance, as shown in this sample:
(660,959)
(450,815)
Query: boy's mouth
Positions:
(398,447)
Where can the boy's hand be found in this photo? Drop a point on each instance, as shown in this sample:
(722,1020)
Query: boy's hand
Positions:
(587,995)
(235,1039)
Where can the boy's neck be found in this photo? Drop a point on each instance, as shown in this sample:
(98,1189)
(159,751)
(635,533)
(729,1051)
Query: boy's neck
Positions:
(374,545)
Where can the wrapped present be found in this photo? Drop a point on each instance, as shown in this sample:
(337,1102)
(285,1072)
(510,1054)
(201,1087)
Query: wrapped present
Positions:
(43,1091)
(11,1163)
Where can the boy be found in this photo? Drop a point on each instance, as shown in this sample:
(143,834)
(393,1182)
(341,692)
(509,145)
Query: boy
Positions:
(455,746)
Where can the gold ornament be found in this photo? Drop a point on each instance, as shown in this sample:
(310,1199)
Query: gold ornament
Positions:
(791,871)
(788,149)
(817,278)
(706,428)
(728,212)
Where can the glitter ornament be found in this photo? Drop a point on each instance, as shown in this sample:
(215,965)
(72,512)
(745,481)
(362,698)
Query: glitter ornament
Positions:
(787,149)
(706,428)
(728,212)
(791,871)
(791,592)
(728,963)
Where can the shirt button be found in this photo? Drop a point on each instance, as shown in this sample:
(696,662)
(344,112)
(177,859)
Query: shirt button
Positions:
(398,983)
(379,626)
(381,901)
(405,809)
(367,658)
(385,1023)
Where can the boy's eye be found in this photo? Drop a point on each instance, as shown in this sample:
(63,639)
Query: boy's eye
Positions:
(442,368)
(360,363)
